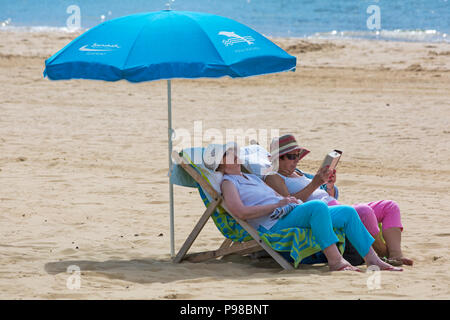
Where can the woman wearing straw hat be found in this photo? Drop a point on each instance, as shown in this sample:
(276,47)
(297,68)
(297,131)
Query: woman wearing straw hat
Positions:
(250,199)
(289,181)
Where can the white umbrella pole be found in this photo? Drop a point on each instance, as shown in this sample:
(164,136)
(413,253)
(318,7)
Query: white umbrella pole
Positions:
(169,117)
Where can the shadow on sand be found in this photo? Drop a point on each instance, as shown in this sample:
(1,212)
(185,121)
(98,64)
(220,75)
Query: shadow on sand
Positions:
(165,271)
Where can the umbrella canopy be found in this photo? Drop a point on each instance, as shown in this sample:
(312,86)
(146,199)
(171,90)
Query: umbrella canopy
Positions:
(168,44)
(164,45)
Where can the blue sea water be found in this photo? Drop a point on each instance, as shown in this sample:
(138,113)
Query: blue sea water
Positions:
(414,20)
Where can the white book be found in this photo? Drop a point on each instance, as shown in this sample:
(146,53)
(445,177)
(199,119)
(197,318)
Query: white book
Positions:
(332,159)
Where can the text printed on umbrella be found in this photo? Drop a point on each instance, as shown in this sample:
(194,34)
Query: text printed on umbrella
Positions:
(235,38)
(99,47)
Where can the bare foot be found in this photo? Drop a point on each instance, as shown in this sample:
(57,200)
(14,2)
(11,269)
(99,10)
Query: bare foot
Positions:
(402,260)
(385,266)
(343,265)
(380,247)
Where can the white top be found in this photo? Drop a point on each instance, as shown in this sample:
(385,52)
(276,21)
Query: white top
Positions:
(254,192)
(295,184)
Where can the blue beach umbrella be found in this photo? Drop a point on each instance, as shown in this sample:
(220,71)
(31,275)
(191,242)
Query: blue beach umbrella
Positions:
(164,45)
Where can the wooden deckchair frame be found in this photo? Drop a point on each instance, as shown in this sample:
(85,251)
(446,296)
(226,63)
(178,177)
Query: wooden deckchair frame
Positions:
(228,246)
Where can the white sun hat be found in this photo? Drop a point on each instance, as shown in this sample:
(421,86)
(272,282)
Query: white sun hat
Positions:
(213,154)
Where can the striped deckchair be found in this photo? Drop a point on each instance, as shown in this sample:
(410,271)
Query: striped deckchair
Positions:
(294,243)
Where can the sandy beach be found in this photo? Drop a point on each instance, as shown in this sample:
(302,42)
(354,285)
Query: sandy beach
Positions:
(83,170)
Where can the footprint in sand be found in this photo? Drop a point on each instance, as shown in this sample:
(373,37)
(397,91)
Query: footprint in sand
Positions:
(414,67)
(443,234)
(156,202)
(68,251)
(430,245)
(178,296)
(348,182)
(87,203)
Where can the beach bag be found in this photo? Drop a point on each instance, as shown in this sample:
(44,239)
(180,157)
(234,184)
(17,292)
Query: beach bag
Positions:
(351,255)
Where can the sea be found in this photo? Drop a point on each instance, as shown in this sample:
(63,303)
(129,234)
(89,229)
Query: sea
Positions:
(392,20)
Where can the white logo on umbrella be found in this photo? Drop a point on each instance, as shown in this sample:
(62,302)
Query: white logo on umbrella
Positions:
(235,38)
(99,47)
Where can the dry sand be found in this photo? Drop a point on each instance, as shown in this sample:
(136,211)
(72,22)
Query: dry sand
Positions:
(83,170)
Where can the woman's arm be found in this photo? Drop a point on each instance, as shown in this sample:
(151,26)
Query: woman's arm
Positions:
(330,185)
(234,203)
(308,190)
(331,190)
(277,183)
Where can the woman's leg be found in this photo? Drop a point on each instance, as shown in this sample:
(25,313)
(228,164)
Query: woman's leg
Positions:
(369,219)
(379,246)
(347,218)
(315,215)
(388,213)
(393,238)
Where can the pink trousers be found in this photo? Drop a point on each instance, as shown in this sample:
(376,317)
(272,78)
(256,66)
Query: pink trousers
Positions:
(385,211)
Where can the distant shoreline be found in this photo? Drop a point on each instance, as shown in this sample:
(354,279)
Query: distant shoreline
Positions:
(419,36)
(356,54)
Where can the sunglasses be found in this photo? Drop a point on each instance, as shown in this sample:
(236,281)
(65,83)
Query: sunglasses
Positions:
(292,156)
(296,156)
